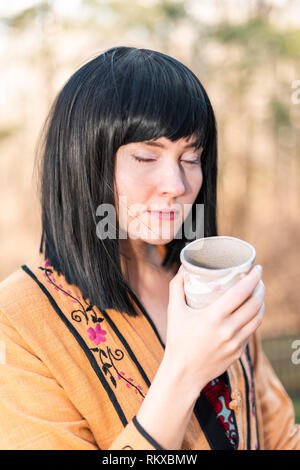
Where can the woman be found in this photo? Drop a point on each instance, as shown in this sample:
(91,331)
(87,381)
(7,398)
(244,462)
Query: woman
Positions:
(101,350)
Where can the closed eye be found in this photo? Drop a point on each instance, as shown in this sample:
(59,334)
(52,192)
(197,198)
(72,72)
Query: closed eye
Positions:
(144,160)
(193,162)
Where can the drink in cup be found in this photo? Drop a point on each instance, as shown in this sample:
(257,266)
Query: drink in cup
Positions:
(212,265)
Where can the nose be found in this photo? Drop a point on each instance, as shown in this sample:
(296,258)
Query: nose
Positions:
(171,181)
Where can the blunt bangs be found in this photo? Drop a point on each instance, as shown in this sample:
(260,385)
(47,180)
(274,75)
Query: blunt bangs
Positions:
(160,97)
(123,95)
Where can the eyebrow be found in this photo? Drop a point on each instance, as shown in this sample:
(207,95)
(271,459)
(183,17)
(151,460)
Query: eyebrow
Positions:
(158,144)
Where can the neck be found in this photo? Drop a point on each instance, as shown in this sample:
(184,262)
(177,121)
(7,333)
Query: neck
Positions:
(139,253)
(139,261)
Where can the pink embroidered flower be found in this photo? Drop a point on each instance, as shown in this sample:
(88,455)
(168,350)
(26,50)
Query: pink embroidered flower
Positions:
(97,335)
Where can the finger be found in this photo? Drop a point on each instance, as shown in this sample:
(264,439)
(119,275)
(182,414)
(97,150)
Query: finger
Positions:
(176,287)
(241,337)
(245,332)
(259,288)
(234,297)
(249,309)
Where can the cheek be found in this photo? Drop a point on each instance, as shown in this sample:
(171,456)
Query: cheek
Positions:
(133,193)
(196,181)
(134,189)
(133,182)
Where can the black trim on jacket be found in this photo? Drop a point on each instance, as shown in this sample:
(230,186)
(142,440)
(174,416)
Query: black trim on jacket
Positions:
(146,435)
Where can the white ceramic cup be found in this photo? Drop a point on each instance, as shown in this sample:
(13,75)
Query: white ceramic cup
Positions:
(212,265)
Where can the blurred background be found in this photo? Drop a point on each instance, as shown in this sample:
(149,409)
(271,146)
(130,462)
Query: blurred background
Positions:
(247,55)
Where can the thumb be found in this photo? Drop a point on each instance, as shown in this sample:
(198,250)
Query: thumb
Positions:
(176,287)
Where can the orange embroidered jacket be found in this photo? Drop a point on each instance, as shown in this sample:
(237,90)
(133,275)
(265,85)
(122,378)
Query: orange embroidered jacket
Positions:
(74,377)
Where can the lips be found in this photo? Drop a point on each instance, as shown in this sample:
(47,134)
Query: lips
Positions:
(164,215)
(163,209)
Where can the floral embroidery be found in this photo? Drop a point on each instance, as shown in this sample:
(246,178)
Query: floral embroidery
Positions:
(97,335)
(85,311)
(129,384)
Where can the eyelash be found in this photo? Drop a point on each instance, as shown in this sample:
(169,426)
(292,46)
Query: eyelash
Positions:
(144,160)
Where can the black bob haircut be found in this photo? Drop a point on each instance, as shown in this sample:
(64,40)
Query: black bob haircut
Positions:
(121,96)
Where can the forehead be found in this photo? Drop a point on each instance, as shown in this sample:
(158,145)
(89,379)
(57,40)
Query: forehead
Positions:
(163,142)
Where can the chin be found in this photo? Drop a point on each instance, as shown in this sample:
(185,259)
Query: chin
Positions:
(158,241)
(158,236)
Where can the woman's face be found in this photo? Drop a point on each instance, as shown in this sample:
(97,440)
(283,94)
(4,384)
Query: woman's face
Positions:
(152,176)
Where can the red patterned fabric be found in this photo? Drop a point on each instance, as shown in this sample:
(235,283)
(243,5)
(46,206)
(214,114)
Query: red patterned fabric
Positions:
(218,394)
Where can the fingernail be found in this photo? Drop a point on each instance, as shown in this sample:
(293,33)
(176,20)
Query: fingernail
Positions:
(258,291)
(261,310)
(258,268)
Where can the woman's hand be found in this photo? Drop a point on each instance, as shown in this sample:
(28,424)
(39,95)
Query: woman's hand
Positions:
(202,344)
